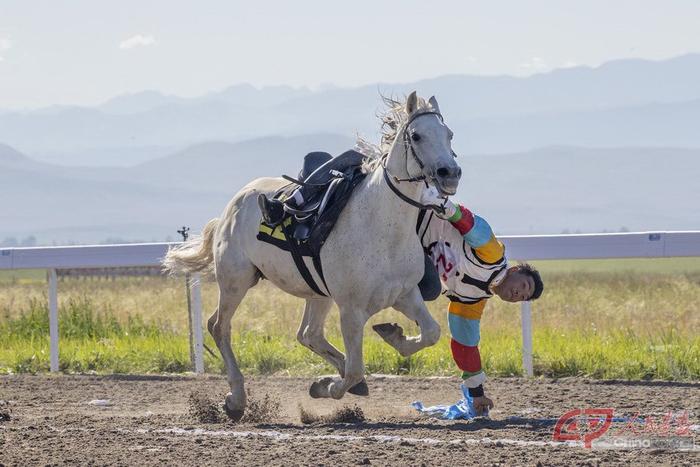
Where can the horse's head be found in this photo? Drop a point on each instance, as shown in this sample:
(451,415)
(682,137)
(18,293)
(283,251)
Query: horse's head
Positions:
(427,142)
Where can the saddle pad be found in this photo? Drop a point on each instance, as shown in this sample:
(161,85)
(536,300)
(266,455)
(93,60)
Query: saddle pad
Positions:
(275,236)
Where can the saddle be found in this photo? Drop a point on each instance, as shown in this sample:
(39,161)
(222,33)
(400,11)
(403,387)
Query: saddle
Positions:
(303,232)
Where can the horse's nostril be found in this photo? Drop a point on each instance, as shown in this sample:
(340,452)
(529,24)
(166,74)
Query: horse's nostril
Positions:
(443,172)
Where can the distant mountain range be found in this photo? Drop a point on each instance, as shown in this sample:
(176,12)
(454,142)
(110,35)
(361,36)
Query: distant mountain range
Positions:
(90,204)
(620,103)
(547,190)
(577,149)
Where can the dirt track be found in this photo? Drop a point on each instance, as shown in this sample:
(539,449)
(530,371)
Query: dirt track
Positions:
(147,422)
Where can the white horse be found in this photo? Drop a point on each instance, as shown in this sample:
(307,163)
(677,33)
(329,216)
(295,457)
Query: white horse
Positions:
(372,259)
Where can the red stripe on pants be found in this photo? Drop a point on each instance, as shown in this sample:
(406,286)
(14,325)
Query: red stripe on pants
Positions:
(466,357)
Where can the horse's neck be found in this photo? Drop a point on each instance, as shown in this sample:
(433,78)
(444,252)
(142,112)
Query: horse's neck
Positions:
(387,208)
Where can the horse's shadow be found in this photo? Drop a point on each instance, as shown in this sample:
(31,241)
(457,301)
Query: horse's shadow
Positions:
(529,424)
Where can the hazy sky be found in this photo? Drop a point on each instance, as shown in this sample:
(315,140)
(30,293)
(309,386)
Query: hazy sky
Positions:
(85,51)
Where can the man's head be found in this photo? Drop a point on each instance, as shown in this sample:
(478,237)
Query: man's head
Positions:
(522,282)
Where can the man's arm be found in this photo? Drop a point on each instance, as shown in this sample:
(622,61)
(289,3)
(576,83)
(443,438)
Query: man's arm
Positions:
(477,234)
(476,231)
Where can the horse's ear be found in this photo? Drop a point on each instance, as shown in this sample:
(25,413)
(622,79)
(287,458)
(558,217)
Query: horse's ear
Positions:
(433,103)
(411,103)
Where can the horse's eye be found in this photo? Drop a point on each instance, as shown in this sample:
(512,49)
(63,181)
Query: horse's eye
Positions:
(415,137)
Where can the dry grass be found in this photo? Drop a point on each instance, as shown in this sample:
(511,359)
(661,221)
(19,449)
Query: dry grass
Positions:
(634,318)
(644,304)
(595,296)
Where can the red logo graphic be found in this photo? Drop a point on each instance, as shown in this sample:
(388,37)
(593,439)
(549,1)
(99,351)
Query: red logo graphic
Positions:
(567,427)
(446,266)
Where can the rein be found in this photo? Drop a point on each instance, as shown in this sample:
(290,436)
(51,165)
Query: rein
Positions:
(421,178)
(435,207)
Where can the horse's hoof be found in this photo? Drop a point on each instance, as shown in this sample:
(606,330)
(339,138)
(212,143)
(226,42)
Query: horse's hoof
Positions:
(387,330)
(234,415)
(360,389)
(319,389)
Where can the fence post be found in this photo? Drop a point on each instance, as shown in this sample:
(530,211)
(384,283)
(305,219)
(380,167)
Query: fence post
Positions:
(190,328)
(53,320)
(526,321)
(197,323)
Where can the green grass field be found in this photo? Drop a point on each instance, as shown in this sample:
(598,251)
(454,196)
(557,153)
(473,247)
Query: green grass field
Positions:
(633,319)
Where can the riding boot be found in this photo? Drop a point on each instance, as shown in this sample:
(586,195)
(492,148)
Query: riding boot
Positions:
(272,210)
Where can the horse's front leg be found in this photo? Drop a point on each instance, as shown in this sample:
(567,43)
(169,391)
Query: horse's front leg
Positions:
(311,335)
(352,324)
(413,307)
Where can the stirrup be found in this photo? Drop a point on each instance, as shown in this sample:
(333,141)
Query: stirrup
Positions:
(305,212)
(304,218)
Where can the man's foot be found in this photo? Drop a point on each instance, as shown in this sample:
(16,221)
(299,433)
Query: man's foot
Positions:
(271,209)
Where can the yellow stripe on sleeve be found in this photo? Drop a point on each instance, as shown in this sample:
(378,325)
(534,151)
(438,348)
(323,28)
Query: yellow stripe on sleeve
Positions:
(490,252)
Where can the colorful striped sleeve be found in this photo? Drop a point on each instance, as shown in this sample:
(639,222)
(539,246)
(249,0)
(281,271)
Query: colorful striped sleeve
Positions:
(477,234)
(464,323)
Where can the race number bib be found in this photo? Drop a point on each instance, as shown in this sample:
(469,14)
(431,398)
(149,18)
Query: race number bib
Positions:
(444,259)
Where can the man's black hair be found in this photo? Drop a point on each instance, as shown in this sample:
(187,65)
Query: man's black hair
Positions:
(535,274)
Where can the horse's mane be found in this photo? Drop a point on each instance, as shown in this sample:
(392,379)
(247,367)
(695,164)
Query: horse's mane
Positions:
(392,119)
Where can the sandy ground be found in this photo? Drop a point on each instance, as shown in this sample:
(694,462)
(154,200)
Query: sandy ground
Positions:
(148,421)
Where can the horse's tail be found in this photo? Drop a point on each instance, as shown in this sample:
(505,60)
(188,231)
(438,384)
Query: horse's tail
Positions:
(194,255)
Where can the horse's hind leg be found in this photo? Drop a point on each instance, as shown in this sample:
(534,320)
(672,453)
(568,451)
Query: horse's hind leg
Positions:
(311,335)
(413,307)
(234,282)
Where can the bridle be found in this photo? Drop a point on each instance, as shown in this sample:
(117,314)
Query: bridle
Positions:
(408,147)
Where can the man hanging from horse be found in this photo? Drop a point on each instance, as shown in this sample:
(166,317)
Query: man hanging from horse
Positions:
(464,260)
(467,263)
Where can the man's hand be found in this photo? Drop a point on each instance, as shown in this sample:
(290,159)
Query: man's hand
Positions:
(431,197)
(482,405)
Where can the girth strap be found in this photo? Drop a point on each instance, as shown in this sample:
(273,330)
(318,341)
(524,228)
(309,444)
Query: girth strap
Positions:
(316,259)
(301,265)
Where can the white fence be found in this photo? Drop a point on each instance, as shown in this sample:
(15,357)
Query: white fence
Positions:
(525,247)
